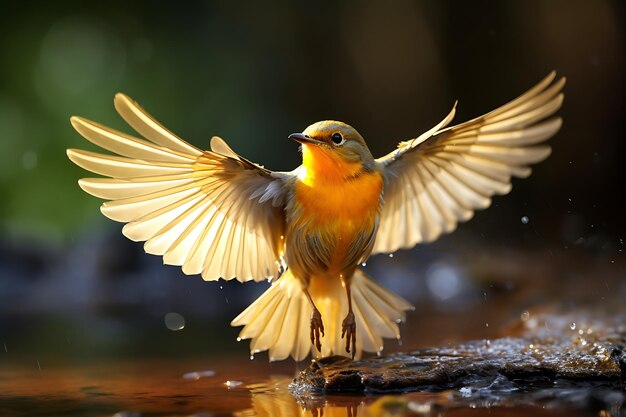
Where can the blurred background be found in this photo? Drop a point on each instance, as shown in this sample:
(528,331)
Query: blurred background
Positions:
(73,288)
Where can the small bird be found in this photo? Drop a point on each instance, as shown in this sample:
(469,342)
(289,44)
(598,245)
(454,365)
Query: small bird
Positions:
(217,214)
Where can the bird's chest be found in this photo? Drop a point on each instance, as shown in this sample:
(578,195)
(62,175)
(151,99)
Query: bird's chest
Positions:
(331,225)
(344,205)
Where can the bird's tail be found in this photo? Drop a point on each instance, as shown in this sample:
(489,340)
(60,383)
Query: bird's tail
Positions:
(280,319)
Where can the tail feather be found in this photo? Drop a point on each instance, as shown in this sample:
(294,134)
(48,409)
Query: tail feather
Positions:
(367,337)
(279,320)
(285,329)
(386,328)
(390,313)
(263,310)
(302,340)
(271,328)
(394,301)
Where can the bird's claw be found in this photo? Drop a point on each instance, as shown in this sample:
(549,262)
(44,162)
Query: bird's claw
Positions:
(317,326)
(348,329)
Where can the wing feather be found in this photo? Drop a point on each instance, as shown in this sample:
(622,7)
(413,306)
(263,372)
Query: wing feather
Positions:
(126,145)
(113,189)
(211,212)
(180,250)
(118,167)
(149,128)
(440,178)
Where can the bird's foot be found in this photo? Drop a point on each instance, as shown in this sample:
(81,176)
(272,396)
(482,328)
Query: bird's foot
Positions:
(348,329)
(317,326)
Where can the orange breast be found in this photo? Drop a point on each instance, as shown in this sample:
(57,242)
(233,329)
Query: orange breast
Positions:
(340,216)
(333,192)
(333,217)
(347,203)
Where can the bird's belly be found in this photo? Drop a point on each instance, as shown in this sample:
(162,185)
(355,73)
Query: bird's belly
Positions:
(328,251)
(331,229)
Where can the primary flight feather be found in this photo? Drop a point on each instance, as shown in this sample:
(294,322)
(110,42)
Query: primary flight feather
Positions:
(217,214)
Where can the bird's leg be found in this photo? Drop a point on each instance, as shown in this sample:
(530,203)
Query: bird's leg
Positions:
(317,325)
(348,327)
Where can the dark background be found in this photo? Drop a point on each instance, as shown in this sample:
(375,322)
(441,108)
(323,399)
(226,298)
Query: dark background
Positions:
(71,286)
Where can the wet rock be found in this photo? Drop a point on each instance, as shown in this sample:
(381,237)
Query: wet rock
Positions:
(548,352)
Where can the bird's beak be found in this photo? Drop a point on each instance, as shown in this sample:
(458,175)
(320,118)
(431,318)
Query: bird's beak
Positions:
(302,138)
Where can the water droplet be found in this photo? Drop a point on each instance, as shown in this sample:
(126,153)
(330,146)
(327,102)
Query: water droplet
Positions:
(525,220)
(364,264)
(391,255)
(239,339)
(221,287)
(251,357)
(232,384)
(174,321)
(465,392)
(524,316)
(486,324)
(38,364)
(572,326)
(199,374)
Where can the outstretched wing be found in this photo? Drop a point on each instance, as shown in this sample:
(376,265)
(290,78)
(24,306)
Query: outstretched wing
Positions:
(211,212)
(440,178)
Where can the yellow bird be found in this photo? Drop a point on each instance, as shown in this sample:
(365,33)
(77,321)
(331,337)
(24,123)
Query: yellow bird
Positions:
(217,214)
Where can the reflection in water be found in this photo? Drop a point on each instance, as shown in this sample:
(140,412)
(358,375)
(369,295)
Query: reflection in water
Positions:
(493,394)
(273,399)
(199,374)
(162,388)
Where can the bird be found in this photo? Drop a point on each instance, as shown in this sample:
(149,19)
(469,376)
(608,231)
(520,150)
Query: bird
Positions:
(308,231)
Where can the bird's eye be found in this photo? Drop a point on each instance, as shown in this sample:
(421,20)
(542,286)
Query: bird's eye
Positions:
(337,138)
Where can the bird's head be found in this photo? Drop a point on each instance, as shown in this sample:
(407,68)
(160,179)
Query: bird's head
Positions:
(331,149)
